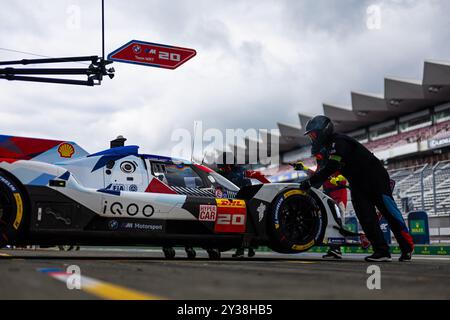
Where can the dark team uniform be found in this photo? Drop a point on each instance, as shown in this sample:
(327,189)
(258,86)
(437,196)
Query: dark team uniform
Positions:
(370,189)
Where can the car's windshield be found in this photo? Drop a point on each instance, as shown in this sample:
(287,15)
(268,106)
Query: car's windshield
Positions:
(178,175)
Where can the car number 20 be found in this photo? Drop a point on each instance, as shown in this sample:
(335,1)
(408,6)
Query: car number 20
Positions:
(231,219)
(169,56)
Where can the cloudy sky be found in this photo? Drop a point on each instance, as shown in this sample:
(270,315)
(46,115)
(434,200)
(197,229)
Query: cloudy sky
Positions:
(258,62)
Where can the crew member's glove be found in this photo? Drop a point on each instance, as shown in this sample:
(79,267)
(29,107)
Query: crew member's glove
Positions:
(336,180)
(305,185)
(300,166)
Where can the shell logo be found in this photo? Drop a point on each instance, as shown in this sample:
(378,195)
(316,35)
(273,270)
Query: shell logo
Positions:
(66,150)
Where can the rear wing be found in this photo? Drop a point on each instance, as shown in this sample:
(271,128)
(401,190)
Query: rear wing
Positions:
(44,150)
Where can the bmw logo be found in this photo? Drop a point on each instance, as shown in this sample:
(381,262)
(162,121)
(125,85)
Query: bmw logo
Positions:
(113,225)
(137,49)
(218,193)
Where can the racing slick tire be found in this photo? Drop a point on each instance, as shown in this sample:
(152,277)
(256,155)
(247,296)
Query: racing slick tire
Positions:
(12,209)
(297,222)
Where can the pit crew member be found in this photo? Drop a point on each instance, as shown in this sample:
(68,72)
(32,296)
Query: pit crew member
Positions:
(369,183)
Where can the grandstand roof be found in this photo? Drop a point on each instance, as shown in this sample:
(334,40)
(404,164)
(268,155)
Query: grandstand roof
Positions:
(401,97)
(291,136)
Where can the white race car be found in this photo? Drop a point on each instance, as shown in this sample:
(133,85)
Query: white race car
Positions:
(55,193)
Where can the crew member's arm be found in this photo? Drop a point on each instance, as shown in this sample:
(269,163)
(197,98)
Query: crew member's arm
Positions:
(300,166)
(332,164)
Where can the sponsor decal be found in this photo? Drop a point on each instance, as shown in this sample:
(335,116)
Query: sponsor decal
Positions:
(336,240)
(230,203)
(384,227)
(277,210)
(8,184)
(219,193)
(139,226)
(294,192)
(66,150)
(418,227)
(137,49)
(128,167)
(304,247)
(231,216)
(437,143)
(19,213)
(113,225)
(123,187)
(261,211)
(131,209)
(207,213)
(117,187)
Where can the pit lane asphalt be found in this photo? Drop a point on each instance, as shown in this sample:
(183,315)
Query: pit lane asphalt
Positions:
(266,276)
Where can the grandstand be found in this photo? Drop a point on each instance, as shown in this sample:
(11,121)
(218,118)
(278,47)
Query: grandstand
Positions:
(426,187)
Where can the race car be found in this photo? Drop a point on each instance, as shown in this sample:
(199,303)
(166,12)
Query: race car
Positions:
(55,193)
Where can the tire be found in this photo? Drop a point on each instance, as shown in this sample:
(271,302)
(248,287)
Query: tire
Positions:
(66,248)
(297,222)
(213,254)
(191,253)
(169,253)
(12,210)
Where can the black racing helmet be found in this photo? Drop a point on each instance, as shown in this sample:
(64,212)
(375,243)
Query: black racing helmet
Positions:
(319,129)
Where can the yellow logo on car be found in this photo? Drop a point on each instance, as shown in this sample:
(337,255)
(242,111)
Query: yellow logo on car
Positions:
(66,150)
(294,192)
(304,247)
(19,213)
(230,203)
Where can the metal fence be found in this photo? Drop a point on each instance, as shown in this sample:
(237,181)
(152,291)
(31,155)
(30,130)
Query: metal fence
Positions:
(424,187)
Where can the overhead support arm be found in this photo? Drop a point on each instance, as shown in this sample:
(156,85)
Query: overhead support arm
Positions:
(95,72)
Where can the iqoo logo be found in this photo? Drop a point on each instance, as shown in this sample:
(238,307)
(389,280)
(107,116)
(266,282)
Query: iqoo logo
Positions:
(131,209)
